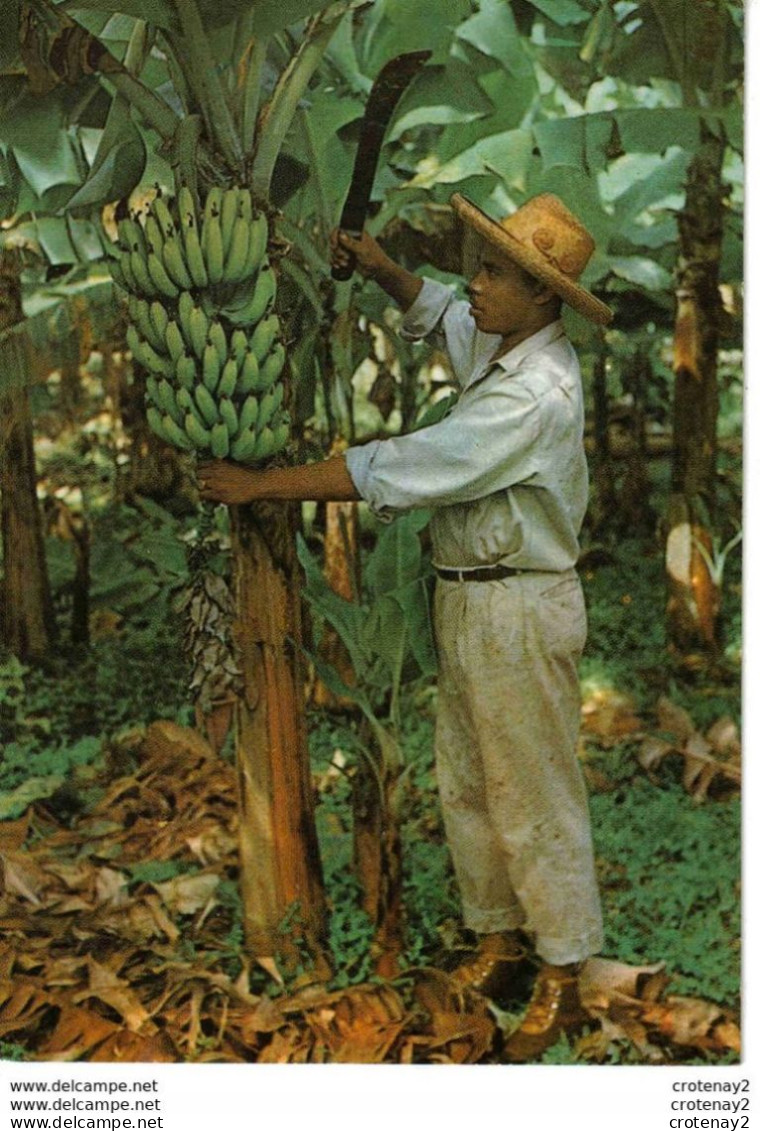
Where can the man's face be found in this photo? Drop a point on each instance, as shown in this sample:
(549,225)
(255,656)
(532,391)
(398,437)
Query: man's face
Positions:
(504,300)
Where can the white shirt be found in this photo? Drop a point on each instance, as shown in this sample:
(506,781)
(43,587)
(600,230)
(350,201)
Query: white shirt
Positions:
(505,471)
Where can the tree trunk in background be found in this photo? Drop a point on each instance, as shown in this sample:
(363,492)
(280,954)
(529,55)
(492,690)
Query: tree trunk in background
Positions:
(693,598)
(27,623)
(281,878)
(341,574)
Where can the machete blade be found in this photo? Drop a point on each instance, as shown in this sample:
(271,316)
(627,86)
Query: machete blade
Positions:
(387,89)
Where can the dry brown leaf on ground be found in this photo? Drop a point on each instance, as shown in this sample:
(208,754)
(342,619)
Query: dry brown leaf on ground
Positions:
(184,895)
(674,720)
(358,1025)
(602,980)
(22,1003)
(628,1002)
(609,716)
(459,1028)
(21,875)
(130,1048)
(712,757)
(14,833)
(77,1034)
(694,1023)
(107,987)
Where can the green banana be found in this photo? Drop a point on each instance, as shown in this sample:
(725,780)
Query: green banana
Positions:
(151,391)
(174,342)
(212,245)
(155,421)
(159,318)
(243,446)
(125,263)
(228,379)
(188,217)
(117,274)
(174,261)
(249,413)
(153,361)
(153,235)
(227,216)
(200,436)
(272,366)
(218,338)
(160,210)
(132,236)
(187,374)
(133,339)
(265,333)
(199,326)
(248,377)
(213,202)
(269,404)
(228,413)
(258,238)
(206,404)
(211,367)
(194,255)
(220,440)
(139,312)
(282,433)
(185,308)
(264,443)
(159,277)
(237,254)
(175,434)
(185,400)
(239,345)
(245,204)
(167,400)
(256,307)
(143,283)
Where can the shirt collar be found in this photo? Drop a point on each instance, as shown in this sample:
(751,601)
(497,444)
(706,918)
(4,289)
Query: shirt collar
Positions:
(543,337)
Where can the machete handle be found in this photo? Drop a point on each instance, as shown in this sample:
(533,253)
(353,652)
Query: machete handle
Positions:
(341,274)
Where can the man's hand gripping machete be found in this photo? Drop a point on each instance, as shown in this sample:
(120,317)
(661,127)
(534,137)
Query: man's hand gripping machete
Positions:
(387,89)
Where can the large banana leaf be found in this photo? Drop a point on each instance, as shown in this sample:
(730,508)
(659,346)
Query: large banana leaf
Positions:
(271,15)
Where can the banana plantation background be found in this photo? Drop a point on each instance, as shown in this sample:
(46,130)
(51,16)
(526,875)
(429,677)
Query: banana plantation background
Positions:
(219,830)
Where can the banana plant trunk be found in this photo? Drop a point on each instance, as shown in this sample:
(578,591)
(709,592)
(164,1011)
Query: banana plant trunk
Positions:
(27,624)
(693,597)
(281,878)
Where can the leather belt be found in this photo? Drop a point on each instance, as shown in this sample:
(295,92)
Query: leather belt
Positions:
(484,573)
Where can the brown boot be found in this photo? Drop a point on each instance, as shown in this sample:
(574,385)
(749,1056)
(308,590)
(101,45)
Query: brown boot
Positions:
(554,1008)
(491,968)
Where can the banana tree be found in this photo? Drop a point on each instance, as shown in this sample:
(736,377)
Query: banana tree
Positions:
(700,47)
(27,624)
(201,95)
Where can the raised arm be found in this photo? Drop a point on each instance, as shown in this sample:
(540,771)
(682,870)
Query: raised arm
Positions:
(372,262)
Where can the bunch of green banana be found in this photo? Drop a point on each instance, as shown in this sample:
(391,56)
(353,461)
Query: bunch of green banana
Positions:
(178,247)
(200,295)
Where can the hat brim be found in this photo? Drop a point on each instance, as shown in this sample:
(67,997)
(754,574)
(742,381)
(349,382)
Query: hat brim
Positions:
(532,261)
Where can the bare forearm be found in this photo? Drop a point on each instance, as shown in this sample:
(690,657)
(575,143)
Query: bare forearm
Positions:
(374,263)
(402,286)
(326,481)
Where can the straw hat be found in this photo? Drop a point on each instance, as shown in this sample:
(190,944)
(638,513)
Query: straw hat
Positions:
(545,238)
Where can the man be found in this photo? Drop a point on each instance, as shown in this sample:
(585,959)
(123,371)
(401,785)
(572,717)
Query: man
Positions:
(505,475)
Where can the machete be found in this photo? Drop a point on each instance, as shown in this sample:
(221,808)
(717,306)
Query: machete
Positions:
(387,88)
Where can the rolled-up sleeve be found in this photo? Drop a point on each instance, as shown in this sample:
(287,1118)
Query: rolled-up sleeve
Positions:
(426,312)
(439,315)
(484,446)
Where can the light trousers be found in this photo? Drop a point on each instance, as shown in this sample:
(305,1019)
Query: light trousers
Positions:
(512,793)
